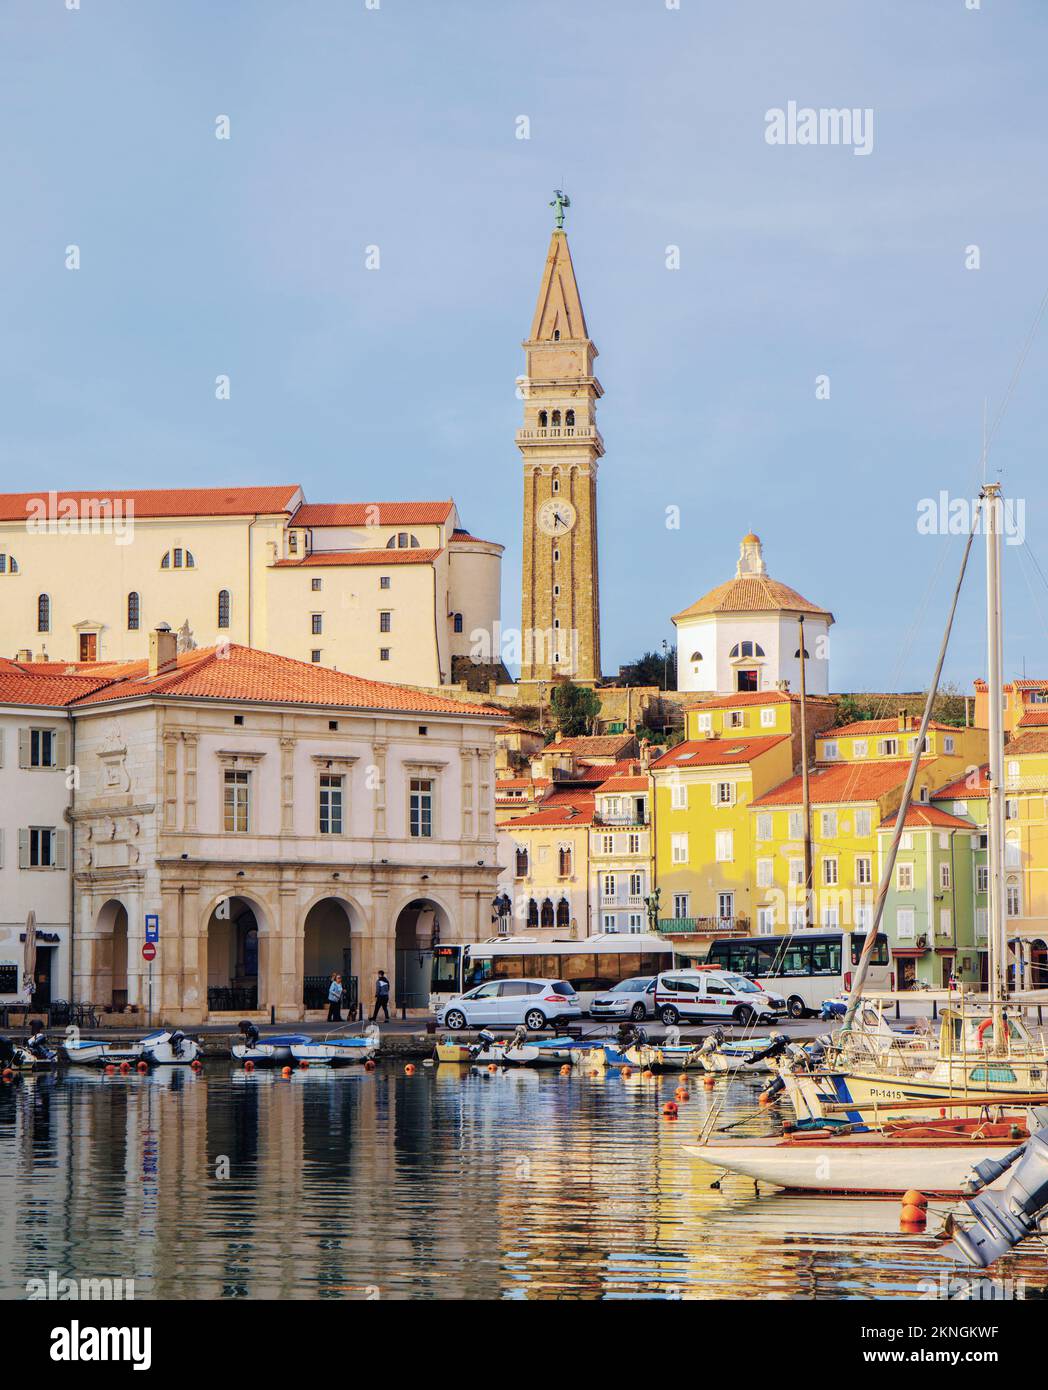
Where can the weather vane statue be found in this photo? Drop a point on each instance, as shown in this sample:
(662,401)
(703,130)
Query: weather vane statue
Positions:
(560,202)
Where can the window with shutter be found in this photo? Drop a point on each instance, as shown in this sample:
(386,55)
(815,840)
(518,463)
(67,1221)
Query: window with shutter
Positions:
(23,849)
(61,839)
(23,748)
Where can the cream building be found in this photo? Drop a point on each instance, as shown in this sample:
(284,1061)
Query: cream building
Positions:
(387,590)
(744,635)
(280,821)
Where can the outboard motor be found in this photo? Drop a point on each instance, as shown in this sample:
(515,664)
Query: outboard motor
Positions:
(483,1042)
(37,1047)
(1007,1216)
(774,1047)
(629,1035)
(177,1039)
(775,1087)
(250,1032)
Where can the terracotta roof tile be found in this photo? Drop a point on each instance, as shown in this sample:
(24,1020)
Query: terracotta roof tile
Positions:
(464,538)
(717,752)
(578,812)
(243,673)
(1033,741)
(840,782)
(624,784)
(927,816)
(885,726)
(959,790)
(752,593)
(746,697)
(373,513)
(54,691)
(1033,717)
(596,745)
(159,502)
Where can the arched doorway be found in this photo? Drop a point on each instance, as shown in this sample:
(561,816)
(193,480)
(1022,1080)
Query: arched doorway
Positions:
(111,961)
(327,950)
(232,956)
(419,926)
(1038,965)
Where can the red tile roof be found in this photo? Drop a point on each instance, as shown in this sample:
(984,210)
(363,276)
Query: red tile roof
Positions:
(754,593)
(959,790)
(54,691)
(924,816)
(575,812)
(1031,742)
(716,752)
(373,513)
(624,784)
(160,502)
(1033,717)
(243,673)
(595,745)
(418,556)
(859,727)
(747,697)
(464,538)
(840,782)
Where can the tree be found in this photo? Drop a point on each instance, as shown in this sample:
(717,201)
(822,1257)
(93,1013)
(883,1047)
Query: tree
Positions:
(574,708)
(653,668)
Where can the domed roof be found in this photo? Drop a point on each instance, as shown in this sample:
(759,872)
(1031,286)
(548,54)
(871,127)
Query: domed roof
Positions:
(752,590)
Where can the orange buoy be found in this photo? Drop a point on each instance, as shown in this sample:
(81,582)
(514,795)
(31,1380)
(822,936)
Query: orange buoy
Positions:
(647,1075)
(249,1065)
(196,1064)
(142,1066)
(110,1069)
(913,1198)
(285,1071)
(303,1065)
(409,1070)
(369,1065)
(710,1081)
(492,1066)
(670,1109)
(7,1074)
(913,1216)
(595,1071)
(682,1094)
(627,1071)
(565,1070)
(125,1067)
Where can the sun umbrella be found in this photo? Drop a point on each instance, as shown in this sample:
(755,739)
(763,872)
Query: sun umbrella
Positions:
(29,951)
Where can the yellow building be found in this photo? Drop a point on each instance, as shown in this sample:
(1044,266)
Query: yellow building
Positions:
(703,791)
(1026,851)
(544,859)
(885,740)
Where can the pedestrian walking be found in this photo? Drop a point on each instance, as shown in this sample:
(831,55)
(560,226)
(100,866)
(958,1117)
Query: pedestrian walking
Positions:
(335,1000)
(381,996)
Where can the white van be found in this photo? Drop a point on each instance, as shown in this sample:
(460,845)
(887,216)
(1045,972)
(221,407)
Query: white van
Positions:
(714,994)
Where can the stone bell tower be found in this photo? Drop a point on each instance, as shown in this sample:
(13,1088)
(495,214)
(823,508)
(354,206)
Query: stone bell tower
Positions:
(561,446)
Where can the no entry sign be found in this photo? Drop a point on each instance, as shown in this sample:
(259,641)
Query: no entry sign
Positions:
(148,950)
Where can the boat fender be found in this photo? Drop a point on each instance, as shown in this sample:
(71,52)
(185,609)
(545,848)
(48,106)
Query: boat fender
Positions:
(670,1110)
(285,1071)
(303,1065)
(143,1066)
(110,1069)
(709,1082)
(409,1070)
(369,1065)
(249,1065)
(196,1064)
(125,1067)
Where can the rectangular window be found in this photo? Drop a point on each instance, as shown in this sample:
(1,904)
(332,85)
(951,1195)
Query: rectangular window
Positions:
(635,885)
(765,873)
(828,825)
(764,826)
(314,656)
(863,869)
(736,719)
(981,919)
(611,925)
(982,878)
(724,793)
(1013,905)
(564,861)
(796,826)
(383,653)
(330,804)
(765,921)
(236,806)
(42,748)
(947,743)
(767,719)
(829,750)
(829,872)
(636,923)
(705,723)
(383,581)
(904,921)
(316,621)
(945,921)
(904,877)
(678,796)
(797,872)
(608,891)
(42,847)
(1011,808)
(633,844)
(421,808)
(944,877)
(863,823)
(680,905)
(725,846)
(385,621)
(679,849)
(887,747)
(859,748)
(725,906)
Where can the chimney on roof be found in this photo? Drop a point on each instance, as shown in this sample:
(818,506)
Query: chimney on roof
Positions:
(163,650)
(904,719)
(23,654)
(558,736)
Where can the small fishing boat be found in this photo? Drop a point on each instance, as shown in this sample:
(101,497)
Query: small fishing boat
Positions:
(933,1156)
(334,1052)
(273,1050)
(33,1055)
(169,1049)
(94,1052)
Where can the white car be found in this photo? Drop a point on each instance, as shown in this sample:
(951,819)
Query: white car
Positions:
(706,993)
(633,999)
(509,1003)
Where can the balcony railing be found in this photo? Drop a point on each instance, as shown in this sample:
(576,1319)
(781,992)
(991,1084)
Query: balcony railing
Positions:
(559,432)
(698,926)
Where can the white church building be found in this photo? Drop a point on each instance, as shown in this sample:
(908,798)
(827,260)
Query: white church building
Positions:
(745,634)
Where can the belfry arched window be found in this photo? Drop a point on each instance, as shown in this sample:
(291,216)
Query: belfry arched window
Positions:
(555,419)
(569,417)
(543,419)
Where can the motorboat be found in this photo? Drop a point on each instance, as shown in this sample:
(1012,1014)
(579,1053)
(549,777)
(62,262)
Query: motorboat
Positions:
(932,1155)
(95,1052)
(272,1050)
(334,1052)
(33,1055)
(169,1049)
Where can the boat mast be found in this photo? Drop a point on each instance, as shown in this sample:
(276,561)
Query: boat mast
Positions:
(995,938)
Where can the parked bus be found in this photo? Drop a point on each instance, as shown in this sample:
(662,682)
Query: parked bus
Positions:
(591,965)
(807,967)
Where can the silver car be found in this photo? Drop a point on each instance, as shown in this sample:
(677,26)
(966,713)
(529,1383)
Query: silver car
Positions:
(634,999)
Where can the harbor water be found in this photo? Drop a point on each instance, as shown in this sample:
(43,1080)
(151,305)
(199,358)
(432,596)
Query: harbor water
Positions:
(443,1184)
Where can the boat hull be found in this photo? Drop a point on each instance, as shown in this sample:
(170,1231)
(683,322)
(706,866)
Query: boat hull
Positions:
(352,1052)
(93,1053)
(270,1052)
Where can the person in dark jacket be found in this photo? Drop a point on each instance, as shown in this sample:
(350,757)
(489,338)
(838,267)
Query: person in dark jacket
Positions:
(381,996)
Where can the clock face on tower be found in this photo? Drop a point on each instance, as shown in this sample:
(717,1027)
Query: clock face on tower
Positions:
(555,517)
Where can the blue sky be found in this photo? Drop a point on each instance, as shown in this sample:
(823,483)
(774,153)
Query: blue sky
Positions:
(396,127)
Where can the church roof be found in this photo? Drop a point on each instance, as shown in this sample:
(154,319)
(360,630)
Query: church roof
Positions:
(752,590)
(154,502)
(373,513)
(559,306)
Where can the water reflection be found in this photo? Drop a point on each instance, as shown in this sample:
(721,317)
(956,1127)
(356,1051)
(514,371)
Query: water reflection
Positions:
(438,1185)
